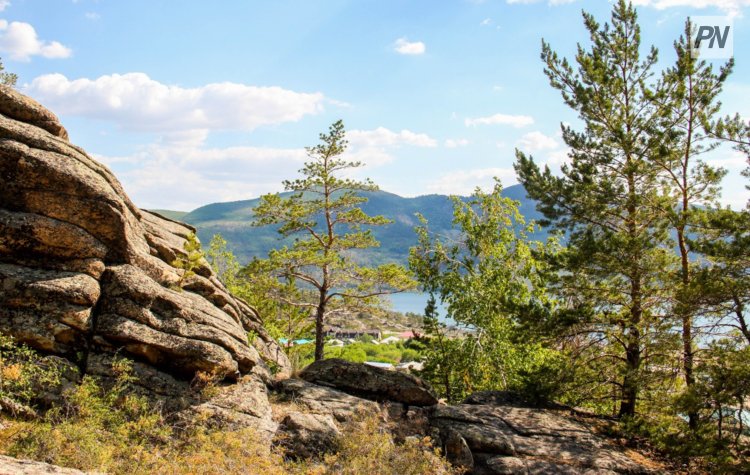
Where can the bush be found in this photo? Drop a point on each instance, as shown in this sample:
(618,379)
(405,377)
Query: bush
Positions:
(410,355)
(22,374)
(115,431)
(366,448)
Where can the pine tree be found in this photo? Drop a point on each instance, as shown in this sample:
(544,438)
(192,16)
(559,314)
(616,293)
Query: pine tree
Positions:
(324,214)
(608,198)
(725,240)
(687,99)
(189,261)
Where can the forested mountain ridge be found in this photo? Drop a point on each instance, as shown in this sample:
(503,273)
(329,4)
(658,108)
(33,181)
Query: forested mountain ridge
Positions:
(233,221)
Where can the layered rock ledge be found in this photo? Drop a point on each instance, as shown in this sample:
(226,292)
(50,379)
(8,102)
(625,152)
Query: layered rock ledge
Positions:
(85,274)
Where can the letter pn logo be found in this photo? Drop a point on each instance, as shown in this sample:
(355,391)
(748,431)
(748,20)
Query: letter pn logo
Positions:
(712,37)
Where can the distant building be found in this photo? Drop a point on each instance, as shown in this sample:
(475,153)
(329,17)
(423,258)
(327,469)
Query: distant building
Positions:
(335,342)
(390,340)
(287,343)
(407,335)
(343,334)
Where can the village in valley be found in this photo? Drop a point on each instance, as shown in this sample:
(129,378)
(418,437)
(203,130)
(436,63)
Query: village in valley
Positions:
(339,338)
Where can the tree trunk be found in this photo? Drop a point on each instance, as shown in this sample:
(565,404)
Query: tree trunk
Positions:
(631,383)
(319,322)
(739,311)
(687,323)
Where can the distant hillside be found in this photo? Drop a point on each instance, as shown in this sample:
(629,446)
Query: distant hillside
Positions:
(232,221)
(175,215)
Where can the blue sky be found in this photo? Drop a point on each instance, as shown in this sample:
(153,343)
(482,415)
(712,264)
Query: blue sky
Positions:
(195,102)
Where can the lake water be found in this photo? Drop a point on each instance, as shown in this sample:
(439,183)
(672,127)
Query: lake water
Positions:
(415,302)
(409,302)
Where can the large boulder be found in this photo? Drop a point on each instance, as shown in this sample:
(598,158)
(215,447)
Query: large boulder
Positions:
(307,435)
(509,439)
(370,382)
(84,273)
(324,400)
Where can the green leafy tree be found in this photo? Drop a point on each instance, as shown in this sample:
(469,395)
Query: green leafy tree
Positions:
(257,285)
(276,300)
(190,261)
(323,214)
(224,263)
(492,281)
(687,99)
(608,198)
(442,356)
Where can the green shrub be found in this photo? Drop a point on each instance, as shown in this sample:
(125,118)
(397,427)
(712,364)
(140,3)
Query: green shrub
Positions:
(366,448)
(410,355)
(117,432)
(23,372)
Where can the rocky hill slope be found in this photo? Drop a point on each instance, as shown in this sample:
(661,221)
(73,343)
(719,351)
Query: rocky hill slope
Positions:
(85,278)
(86,275)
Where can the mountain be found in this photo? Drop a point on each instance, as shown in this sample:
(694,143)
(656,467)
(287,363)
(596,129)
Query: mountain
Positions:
(233,221)
(173,215)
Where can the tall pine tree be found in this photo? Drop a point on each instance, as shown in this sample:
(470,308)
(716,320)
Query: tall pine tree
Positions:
(323,213)
(688,100)
(608,198)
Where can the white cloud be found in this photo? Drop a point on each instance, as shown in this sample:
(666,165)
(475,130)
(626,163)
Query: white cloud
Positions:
(731,7)
(500,119)
(384,137)
(463,182)
(20,42)
(136,102)
(733,160)
(557,158)
(4,4)
(455,143)
(404,46)
(550,151)
(373,147)
(93,16)
(535,141)
(550,2)
(180,172)
(486,22)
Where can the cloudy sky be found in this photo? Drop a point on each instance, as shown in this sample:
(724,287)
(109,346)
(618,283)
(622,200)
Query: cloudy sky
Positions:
(194,102)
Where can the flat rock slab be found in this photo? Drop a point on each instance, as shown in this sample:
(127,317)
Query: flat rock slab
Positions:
(324,400)
(369,382)
(513,439)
